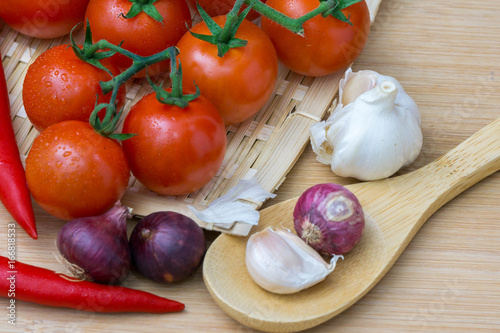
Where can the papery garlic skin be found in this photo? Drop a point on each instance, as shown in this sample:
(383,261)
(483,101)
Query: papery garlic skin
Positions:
(373,132)
(227,209)
(281,262)
(359,83)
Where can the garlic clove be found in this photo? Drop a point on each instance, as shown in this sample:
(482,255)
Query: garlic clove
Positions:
(281,262)
(357,84)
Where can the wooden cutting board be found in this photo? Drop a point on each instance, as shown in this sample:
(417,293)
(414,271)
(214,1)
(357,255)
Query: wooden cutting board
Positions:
(447,56)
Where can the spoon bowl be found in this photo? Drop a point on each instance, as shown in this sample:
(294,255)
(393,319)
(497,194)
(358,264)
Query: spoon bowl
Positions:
(276,313)
(395,209)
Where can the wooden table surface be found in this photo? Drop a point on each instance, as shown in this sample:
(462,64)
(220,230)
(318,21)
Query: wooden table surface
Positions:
(447,56)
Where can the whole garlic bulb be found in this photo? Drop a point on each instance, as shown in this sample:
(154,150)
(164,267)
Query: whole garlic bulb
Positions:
(373,132)
(281,262)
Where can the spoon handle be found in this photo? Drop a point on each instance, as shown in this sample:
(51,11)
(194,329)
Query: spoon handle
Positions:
(415,196)
(471,161)
(401,205)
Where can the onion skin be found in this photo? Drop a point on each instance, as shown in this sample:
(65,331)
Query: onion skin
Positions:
(167,246)
(98,245)
(329,218)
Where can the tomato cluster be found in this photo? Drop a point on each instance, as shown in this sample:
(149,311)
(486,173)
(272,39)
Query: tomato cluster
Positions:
(74,170)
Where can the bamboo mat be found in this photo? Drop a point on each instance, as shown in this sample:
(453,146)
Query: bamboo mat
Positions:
(446,55)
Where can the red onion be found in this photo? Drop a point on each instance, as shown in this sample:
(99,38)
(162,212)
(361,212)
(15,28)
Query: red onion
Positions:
(167,246)
(98,245)
(329,218)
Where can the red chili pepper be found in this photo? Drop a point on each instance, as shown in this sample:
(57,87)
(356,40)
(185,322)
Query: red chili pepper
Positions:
(14,192)
(39,285)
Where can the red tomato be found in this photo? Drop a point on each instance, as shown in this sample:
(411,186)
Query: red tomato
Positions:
(222,7)
(58,86)
(328,44)
(43,19)
(142,34)
(74,172)
(239,83)
(176,151)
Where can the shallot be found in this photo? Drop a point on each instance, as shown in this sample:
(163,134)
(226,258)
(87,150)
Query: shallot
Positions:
(167,246)
(329,218)
(98,245)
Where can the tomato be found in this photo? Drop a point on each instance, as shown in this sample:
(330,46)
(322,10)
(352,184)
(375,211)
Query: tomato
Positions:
(328,44)
(142,34)
(74,172)
(176,151)
(58,86)
(222,7)
(239,83)
(43,19)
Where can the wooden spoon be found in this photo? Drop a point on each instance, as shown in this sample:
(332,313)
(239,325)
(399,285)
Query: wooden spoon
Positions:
(398,207)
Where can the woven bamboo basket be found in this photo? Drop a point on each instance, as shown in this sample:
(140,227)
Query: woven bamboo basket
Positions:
(263,148)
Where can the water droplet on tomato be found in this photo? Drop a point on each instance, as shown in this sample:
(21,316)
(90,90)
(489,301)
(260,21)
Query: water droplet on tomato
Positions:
(48,84)
(67,154)
(64,77)
(58,164)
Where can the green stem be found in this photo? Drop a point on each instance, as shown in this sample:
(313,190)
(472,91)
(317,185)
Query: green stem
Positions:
(231,19)
(224,38)
(92,53)
(146,6)
(138,64)
(107,126)
(111,108)
(176,75)
(296,25)
(175,96)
